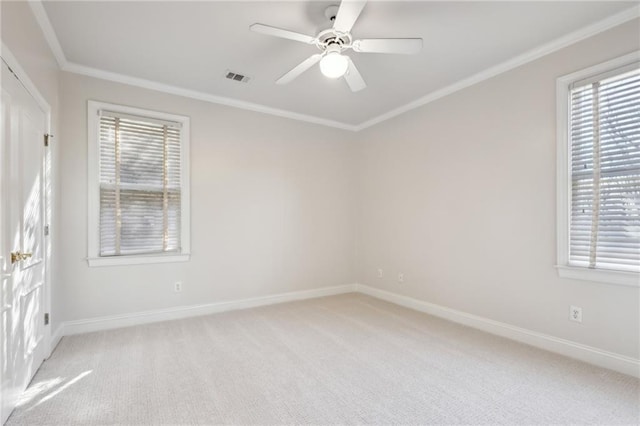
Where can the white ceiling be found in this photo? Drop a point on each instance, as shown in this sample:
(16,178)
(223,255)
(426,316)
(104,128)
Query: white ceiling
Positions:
(190,45)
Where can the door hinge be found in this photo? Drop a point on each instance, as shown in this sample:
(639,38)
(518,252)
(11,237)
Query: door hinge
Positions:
(46,230)
(46,319)
(47,136)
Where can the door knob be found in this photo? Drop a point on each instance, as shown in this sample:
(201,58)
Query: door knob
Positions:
(16,256)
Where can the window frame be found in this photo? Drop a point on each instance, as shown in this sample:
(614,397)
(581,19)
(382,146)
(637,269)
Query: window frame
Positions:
(93,184)
(563,178)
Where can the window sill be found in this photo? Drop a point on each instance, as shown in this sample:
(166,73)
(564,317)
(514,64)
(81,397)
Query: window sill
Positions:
(631,279)
(137,260)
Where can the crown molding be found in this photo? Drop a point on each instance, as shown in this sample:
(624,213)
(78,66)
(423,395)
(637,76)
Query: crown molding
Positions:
(50,36)
(201,96)
(536,53)
(530,56)
(49,33)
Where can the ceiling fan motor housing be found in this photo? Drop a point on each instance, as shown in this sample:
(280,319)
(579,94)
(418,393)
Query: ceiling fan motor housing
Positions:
(330,37)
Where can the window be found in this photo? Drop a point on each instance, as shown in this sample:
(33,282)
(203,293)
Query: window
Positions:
(138,189)
(599,173)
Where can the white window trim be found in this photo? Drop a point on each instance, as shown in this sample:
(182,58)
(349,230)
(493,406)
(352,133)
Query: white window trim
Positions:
(93,232)
(565,270)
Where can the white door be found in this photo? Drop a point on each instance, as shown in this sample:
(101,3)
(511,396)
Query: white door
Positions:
(22,265)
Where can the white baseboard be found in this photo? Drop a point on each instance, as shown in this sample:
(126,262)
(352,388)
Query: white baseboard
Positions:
(595,356)
(126,320)
(589,354)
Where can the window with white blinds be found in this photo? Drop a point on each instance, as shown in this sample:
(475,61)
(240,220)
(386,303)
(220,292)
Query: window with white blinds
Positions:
(140,188)
(604,153)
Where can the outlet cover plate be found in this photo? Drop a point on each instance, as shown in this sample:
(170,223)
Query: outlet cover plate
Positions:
(575,313)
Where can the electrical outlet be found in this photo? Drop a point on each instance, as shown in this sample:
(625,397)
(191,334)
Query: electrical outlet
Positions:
(575,313)
(380,272)
(400,277)
(177,287)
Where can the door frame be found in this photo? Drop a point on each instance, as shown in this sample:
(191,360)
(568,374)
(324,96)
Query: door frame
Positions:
(49,166)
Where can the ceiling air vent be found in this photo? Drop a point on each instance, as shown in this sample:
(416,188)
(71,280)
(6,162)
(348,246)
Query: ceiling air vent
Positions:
(232,75)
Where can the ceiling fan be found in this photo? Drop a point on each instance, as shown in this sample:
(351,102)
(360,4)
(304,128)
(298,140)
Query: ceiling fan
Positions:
(333,42)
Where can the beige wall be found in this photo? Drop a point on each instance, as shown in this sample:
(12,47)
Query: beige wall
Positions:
(459,195)
(24,39)
(271,208)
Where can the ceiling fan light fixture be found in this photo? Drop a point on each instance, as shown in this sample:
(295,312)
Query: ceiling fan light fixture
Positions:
(334,40)
(334,65)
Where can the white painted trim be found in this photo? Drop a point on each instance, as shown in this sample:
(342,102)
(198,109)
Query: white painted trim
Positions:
(563,191)
(158,315)
(532,55)
(631,279)
(137,260)
(29,85)
(589,354)
(93,187)
(201,96)
(563,179)
(54,44)
(37,8)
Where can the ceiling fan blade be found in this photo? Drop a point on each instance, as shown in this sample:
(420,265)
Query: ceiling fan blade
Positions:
(353,77)
(279,32)
(299,69)
(388,45)
(347,14)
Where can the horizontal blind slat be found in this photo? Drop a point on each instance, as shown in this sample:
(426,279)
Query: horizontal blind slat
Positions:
(142,185)
(617,244)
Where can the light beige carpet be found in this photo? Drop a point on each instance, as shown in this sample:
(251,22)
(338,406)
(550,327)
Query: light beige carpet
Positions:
(338,360)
